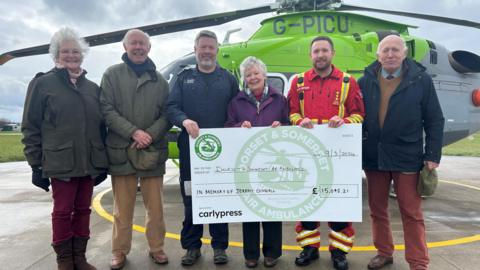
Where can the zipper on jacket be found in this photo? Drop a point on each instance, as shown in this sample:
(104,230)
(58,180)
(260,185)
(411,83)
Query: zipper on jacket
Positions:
(88,149)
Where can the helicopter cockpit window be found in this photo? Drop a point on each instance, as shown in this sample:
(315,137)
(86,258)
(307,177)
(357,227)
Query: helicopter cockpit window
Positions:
(276,82)
(433,52)
(279,81)
(411,48)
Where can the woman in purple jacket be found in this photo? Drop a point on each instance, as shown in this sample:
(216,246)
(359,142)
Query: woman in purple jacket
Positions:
(256,106)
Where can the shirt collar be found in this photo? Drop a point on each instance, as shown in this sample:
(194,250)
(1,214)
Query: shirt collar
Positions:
(252,96)
(395,74)
(311,74)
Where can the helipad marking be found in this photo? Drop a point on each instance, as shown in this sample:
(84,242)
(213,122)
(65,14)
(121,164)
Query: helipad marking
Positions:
(460,184)
(457,241)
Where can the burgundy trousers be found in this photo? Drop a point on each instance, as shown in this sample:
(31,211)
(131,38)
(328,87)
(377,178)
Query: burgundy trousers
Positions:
(409,202)
(71,208)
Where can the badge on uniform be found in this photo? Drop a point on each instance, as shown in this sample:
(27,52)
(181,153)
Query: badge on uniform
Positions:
(303,88)
(190,81)
(336,101)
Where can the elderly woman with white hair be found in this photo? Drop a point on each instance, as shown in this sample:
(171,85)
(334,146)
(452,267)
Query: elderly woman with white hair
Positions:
(63,133)
(258,105)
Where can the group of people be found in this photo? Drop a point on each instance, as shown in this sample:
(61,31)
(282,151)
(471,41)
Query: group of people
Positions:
(76,131)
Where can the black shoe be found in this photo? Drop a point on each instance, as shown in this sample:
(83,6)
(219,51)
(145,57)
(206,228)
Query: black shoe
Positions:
(191,256)
(220,256)
(339,259)
(270,262)
(307,255)
(251,263)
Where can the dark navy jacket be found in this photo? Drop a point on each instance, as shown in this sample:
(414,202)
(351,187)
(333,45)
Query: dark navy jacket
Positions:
(273,108)
(413,108)
(191,98)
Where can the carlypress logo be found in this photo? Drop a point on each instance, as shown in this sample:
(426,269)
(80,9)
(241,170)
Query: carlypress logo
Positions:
(220,214)
(208,147)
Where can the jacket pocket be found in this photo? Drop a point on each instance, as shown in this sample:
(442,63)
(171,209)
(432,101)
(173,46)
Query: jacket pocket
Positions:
(144,159)
(58,158)
(162,147)
(98,155)
(117,153)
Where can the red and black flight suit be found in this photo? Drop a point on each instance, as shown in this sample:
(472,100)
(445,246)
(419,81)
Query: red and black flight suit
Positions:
(320,99)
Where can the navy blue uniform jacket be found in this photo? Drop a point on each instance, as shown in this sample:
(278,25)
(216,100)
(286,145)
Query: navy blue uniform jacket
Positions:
(413,108)
(191,98)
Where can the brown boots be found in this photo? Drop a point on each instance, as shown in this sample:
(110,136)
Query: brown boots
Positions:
(71,254)
(64,255)
(79,259)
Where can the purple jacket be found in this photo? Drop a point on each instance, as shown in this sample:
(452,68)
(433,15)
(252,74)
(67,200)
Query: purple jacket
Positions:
(273,108)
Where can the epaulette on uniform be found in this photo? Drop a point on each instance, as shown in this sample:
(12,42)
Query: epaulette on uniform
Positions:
(187,67)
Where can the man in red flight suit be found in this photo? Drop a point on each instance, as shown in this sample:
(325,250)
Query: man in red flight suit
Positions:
(324,95)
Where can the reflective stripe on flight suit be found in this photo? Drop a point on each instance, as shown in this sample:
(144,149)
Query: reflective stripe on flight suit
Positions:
(307,237)
(341,240)
(353,118)
(294,117)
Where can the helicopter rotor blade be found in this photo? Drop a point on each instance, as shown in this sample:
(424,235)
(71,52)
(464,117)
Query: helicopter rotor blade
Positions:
(152,30)
(413,15)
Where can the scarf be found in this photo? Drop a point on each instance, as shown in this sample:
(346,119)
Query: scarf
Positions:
(73,76)
(140,69)
(254,99)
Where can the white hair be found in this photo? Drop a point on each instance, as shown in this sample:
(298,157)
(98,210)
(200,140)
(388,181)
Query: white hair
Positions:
(66,34)
(404,45)
(250,62)
(133,31)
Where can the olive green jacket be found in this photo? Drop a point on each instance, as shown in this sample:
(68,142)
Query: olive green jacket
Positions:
(129,103)
(63,127)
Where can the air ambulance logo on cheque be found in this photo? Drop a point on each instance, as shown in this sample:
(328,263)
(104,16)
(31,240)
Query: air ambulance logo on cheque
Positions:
(208,147)
(276,183)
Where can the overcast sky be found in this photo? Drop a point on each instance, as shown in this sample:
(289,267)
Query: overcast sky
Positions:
(26,23)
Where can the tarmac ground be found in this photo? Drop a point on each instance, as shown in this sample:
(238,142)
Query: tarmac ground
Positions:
(452,218)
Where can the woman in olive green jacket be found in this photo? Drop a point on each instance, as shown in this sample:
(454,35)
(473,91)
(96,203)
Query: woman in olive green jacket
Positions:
(63,136)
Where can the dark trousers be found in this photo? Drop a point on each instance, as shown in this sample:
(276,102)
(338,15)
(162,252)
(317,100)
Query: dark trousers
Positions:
(336,226)
(272,240)
(191,233)
(71,208)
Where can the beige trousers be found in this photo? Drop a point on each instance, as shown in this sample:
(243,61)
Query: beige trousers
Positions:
(124,197)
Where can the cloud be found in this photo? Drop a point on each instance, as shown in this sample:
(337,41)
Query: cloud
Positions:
(12,93)
(75,11)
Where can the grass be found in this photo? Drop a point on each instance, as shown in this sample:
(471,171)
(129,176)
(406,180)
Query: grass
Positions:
(11,149)
(469,146)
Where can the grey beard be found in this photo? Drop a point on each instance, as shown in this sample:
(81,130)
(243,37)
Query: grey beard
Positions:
(206,64)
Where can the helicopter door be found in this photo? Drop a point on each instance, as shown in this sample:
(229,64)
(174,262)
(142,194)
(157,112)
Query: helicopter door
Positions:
(452,93)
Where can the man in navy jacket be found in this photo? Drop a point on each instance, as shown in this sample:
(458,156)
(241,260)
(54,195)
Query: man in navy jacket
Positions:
(400,104)
(199,99)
